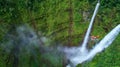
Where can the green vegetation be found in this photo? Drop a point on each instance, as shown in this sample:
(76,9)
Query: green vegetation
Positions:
(62,21)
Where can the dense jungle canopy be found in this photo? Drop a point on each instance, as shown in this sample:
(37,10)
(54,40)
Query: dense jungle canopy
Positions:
(63,22)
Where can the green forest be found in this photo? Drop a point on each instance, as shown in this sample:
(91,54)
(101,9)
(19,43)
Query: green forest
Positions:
(55,23)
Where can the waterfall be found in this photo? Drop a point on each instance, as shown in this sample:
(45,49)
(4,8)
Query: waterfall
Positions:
(83,48)
(104,43)
(76,57)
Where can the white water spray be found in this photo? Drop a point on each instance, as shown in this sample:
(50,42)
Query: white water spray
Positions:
(83,48)
(104,43)
(76,57)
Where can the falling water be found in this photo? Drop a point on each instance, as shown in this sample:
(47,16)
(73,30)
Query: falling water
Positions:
(83,48)
(28,40)
(76,57)
(104,43)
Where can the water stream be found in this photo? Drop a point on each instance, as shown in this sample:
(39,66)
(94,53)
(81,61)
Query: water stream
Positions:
(89,29)
(76,57)
(26,42)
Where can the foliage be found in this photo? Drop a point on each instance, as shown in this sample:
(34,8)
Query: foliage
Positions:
(52,19)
